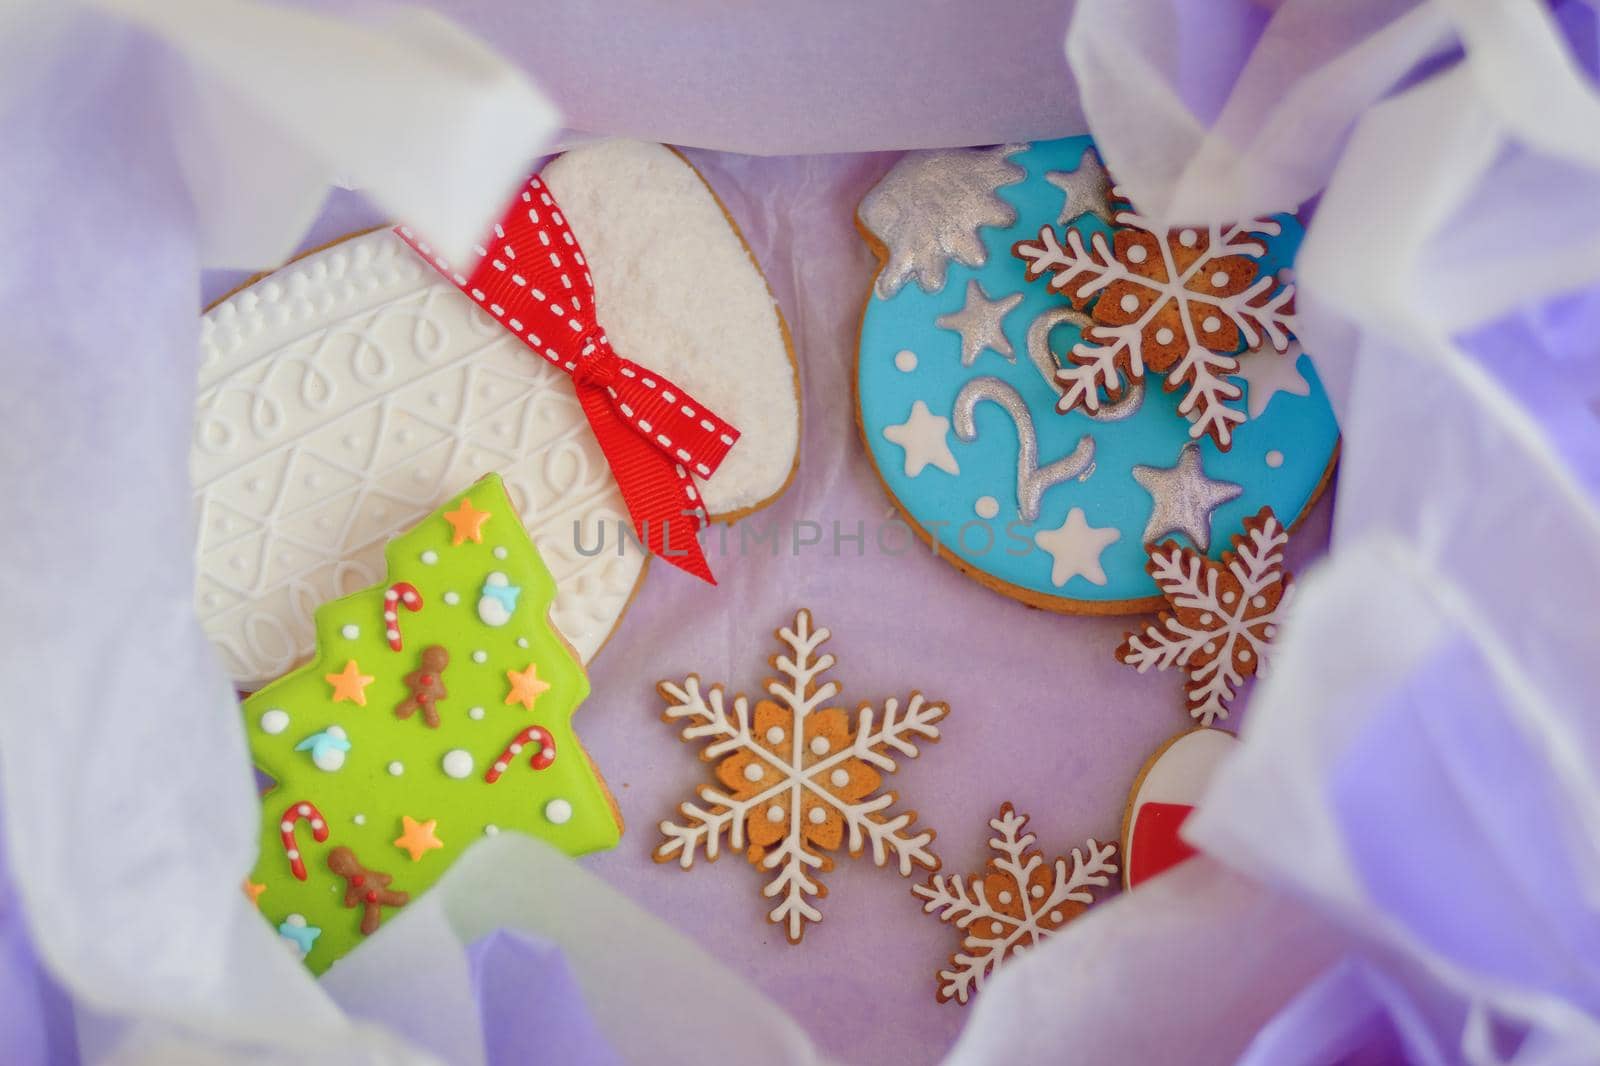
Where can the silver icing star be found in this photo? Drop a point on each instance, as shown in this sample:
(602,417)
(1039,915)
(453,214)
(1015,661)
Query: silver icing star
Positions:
(979,322)
(1088,189)
(928,209)
(1184,498)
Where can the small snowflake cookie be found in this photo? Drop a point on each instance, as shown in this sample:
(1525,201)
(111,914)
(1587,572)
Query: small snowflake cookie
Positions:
(421,724)
(1020,318)
(1223,614)
(348,394)
(798,777)
(1018,901)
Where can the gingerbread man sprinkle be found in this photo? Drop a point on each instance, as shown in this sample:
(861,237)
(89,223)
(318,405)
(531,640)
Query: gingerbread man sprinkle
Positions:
(427,686)
(365,888)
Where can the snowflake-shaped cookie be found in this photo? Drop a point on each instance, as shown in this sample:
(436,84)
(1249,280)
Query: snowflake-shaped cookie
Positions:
(1017,902)
(1224,613)
(1179,306)
(796,778)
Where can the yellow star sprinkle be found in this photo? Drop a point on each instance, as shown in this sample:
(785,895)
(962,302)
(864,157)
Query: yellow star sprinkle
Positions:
(526,688)
(466,522)
(349,684)
(418,837)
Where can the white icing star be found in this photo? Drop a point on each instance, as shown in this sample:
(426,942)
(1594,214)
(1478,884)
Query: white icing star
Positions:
(1269,373)
(1184,498)
(980,323)
(923,437)
(1088,189)
(1075,549)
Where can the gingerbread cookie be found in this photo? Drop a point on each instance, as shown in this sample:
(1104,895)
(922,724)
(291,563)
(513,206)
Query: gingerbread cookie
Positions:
(421,724)
(797,778)
(1015,904)
(1223,614)
(1163,796)
(1046,384)
(349,393)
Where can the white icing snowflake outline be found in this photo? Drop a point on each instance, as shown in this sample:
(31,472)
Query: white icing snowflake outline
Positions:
(966,904)
(797,861)
(1238,601)
(1111,355)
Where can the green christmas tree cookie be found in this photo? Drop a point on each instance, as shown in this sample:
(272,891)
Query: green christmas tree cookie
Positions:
(437,710)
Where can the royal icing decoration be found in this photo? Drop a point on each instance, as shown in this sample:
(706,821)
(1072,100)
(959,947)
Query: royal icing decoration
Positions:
(403,774)
(1166,792)
(544,752)
(796,779)
(1015,904)
(1182,305)
(400,594)
(1223,614)
(965,363)
(352,392)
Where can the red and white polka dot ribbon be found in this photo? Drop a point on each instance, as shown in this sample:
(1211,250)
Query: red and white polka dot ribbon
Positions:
(534,280)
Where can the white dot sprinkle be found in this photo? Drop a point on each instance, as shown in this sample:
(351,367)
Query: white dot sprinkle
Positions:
(429,557)
(996,928)
(817,815)
(774,813)
(905,360)
(491,830)
(499,552)
(1130,303)
(753,772)
(396,768)
(1274,458)
(1205,618)
(1211,324)
(1211,646)
(1163,335)
(1188,238)
(1055,916)
(359,819)
(350,631)
(1244,654)
(1138,254)
(452,598)
(1036,891)
(457,763)
(1269,631)
(775,735)
(274,721)
(480,656)
(1219,280)
(558,811)
(475,713)
(522,642)
(1228,597)
(819,745)
(840,777)
(986,507)
(1004,897)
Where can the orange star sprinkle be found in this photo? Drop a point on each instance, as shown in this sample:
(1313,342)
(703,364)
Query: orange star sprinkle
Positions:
(526,688)
(418,838)
(467,522)
(254,891)
(349,684)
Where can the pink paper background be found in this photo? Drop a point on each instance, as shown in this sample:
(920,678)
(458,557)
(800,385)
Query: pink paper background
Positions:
(1041,715)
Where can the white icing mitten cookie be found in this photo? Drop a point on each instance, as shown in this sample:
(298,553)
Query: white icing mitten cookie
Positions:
(346,395)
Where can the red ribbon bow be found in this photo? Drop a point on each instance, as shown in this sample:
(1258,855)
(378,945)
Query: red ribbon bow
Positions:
(536,283)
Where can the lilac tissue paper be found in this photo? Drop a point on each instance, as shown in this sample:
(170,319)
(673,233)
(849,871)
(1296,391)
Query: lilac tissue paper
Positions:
(1425,707)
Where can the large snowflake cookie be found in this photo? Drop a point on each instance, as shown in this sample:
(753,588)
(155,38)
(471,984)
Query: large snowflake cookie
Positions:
(1003,397)
(426,719)
(798,777)
(1017,902)
(348,394)
(1223,614)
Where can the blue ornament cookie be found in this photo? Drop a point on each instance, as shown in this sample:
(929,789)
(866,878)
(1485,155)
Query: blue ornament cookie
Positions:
(1046,383)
